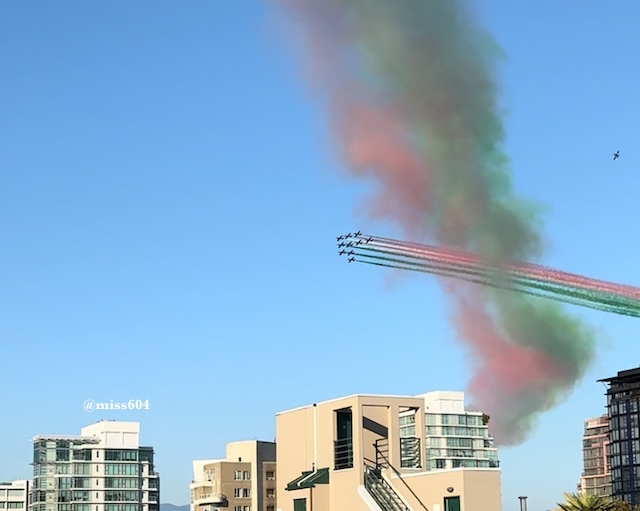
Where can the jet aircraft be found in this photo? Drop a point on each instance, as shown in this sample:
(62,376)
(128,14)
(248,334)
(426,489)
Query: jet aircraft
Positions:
(342,252)
(352,259)
(616,155)
(358,233)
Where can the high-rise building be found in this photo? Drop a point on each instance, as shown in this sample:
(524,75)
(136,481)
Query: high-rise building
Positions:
(348,454)
(455,437)
(623,407)
(596,479)
(245,480)
(102,469)
(14,496)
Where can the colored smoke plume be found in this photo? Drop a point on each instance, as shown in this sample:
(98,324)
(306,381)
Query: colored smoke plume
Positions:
(413,105)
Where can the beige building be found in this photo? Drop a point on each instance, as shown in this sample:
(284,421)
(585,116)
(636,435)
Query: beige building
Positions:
(14,496)
(596,477)
(244,481)
(348,455)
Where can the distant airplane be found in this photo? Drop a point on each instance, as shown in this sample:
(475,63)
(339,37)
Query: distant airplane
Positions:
(358,233)
(359,242)
(351,252)
(616,155)
(339,238)
(352,259)
(342,252)
(341,244)
(348,235)
(350,244)
(370,238)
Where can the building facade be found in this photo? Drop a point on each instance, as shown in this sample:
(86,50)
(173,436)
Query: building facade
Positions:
(454,437)
(14,496)
(102,469)
(244,481)
(623,395)
(348,454)
(596,477)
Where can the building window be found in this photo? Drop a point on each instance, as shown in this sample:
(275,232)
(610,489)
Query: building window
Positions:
(246,493)
(237,492)
(237,508)
(271,476)
(245,475)
(237,475)
(271,508)
(452,504)
(301,505)
(271,493)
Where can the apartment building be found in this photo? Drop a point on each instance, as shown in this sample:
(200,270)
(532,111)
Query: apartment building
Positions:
(14,496)
(102,469)
(623,413)
(244,481)
(348,454)
(454,437)
(596,477)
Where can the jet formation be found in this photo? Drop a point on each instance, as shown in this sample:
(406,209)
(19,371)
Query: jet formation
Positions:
(350,240)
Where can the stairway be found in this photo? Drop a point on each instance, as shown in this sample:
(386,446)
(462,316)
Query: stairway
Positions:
(381,491)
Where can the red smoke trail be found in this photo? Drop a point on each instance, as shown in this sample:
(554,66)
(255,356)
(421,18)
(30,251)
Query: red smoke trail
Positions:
(409,89)
(536,271)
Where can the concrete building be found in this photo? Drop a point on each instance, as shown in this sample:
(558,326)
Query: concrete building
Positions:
(245,480)
(623,408)
(596,478)
(102,469)
(454,437)
(348,454)
(14,496)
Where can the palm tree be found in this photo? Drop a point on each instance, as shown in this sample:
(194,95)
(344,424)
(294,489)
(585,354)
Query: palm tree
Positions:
(584,502)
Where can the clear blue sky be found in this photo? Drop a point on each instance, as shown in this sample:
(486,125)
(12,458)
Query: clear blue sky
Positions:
(168,206)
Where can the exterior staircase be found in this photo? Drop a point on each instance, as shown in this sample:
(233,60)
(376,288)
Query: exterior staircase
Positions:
(381,491)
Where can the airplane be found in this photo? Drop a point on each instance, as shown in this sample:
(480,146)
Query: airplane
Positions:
(350,244)
(348,235)
(370,238)
(341,245)
(359,242)
(352,259)
(339,238)
(616,155)
(358,233)
(350,253)
(342,252)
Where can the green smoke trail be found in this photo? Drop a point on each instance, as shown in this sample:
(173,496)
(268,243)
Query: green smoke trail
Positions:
(413,101)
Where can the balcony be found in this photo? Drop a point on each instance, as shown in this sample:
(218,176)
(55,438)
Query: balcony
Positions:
(343,454)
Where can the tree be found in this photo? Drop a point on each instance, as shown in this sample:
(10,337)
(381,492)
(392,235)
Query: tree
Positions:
(584,502)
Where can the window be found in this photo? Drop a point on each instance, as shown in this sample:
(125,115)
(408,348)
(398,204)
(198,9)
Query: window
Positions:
(452,504)
(271,476)
(15,505)
(301,505)
(237,492)
(271,493)
(237,475)
(246,493)
(245,475)
(271,508)
(237,508)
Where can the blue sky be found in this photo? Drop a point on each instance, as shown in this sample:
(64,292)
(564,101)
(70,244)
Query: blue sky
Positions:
(168,208)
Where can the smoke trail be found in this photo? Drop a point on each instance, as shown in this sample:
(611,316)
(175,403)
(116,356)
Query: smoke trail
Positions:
(413,106)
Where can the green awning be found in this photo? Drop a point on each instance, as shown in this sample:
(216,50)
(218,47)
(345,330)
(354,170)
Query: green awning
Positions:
(309,479)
